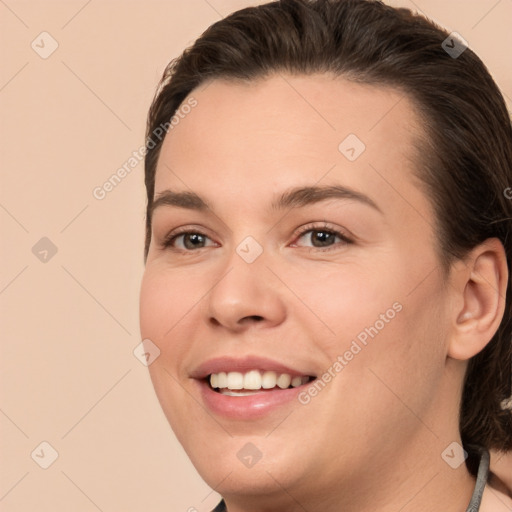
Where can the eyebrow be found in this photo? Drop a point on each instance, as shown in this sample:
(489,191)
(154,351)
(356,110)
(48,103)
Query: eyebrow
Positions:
(296,197)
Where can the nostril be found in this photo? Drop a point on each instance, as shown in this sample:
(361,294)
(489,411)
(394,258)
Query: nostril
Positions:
(250,318)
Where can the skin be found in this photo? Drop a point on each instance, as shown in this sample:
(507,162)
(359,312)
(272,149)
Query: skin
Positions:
(372,439)
(501,465)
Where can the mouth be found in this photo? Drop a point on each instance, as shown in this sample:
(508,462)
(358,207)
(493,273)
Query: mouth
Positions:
(254,382)
(249,387)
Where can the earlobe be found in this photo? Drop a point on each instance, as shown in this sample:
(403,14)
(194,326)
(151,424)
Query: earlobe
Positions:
(482,285)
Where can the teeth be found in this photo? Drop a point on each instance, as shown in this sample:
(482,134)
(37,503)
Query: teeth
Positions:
(227,392)
(284,381)
(296,381)
(269,380)
(235,380)
(254,380)
(222,380)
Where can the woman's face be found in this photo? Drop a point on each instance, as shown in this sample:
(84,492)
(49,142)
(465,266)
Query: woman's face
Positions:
(340,292)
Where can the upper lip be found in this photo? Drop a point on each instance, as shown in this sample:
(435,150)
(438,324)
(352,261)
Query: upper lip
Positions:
(231,364)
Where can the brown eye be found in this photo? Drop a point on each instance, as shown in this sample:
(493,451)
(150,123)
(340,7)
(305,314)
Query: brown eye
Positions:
(186,241)
(323,239)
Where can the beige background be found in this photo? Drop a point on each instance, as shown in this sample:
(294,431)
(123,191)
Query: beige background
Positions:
(70,324)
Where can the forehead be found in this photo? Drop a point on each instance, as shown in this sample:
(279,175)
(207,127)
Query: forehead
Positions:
(306,104)
(263,135)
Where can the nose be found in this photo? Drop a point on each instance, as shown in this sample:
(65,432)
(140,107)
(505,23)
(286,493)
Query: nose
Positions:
(244,295)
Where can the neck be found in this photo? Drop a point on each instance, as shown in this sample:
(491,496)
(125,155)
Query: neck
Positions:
(420,481)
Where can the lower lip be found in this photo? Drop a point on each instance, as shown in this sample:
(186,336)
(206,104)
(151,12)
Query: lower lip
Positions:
(247,407)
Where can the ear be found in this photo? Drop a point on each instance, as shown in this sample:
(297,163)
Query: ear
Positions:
(480,285)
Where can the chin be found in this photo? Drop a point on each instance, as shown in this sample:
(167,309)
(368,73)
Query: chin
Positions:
(247,464)
(262,479)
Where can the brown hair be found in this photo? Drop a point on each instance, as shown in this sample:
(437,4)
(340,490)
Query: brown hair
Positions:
(466,158)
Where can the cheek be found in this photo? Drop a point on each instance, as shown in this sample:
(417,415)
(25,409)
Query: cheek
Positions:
(163,306)
(348,300)
(166,312)
(377,325)
(403,359)
(165,299)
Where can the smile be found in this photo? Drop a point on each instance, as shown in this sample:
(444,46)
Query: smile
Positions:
(254,381)
(248,388)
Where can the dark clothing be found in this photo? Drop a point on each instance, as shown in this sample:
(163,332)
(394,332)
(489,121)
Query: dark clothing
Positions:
(221,507)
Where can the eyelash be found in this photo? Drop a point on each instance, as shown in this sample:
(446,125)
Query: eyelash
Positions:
(325,228)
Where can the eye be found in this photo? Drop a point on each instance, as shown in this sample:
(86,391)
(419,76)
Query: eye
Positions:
(185,241)
(323,237)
